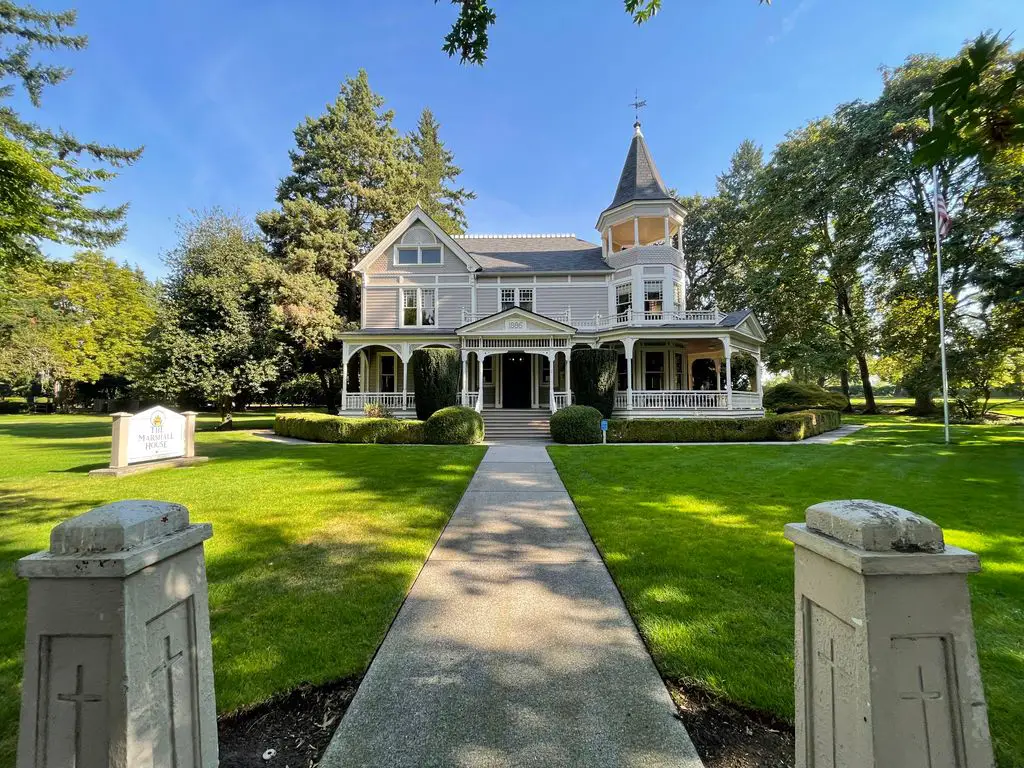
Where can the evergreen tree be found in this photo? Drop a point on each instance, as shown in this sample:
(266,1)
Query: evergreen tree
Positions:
(216,338)
(44,181)
(434,172)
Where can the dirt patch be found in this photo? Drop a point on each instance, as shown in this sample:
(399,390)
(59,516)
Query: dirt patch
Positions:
(297,725)
(727,736)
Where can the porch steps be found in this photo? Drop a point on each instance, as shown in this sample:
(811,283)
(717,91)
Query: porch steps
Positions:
(506,424)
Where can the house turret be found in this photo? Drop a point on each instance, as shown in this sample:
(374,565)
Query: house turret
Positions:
(643,211)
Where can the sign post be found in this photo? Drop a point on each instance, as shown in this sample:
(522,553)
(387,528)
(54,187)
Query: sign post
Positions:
(604,431)
(154,438)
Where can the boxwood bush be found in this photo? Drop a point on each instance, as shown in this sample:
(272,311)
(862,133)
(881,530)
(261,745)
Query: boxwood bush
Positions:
(324,428)
(435,375)
(594,373)
(790,396)
(783,427)
(454,426)
(576,424)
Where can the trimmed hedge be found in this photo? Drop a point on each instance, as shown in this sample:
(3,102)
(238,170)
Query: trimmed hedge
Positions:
(784,427)
(790,396)
(576,424)
(324,428)
(454,426)
(594,375)
(435,375)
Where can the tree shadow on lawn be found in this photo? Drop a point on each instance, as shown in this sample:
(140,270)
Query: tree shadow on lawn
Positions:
(693,537)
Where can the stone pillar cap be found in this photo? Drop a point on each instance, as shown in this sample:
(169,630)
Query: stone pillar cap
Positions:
(875,527)
(118,527)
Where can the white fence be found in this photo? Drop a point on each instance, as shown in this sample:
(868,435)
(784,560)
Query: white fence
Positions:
(688,400)
(599,322)
(393,401)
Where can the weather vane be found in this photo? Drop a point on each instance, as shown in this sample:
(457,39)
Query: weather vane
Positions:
(638,104)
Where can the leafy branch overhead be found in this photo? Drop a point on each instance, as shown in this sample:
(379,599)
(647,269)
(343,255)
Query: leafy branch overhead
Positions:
(468,36)
(48,175)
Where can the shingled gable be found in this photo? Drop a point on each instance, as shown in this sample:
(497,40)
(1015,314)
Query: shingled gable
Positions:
(417,214)
(640,179)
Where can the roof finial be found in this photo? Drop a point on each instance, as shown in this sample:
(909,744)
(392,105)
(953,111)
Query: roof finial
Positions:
(637,104)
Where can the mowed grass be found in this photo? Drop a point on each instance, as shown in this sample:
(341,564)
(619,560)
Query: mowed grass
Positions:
(314,547)
(1000,405)
(693,537)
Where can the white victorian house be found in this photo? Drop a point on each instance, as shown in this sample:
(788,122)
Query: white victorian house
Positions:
(516,306)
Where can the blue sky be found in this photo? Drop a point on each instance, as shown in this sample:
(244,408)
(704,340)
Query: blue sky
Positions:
(214,88)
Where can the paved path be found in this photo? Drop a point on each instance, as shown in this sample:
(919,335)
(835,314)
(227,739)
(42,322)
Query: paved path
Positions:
(513,647)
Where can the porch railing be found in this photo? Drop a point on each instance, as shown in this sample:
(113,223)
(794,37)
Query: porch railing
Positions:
(600,321)
(561,400)
(688,400)
(394,401)
(469,399)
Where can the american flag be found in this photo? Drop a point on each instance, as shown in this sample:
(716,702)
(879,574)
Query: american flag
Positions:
(944,222)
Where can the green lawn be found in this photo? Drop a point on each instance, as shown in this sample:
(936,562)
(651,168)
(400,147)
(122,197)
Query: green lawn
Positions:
(693,537)
(1001,405)
(314,547)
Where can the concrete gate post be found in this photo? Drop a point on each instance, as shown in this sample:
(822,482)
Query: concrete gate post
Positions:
(118,661)
(886,666)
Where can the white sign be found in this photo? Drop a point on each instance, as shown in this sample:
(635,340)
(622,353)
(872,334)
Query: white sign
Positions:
(156,433)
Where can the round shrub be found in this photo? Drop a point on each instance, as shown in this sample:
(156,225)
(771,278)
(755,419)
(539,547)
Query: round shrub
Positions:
(791,396)
(576,424)
(435,376)
(594,374)
(455,425)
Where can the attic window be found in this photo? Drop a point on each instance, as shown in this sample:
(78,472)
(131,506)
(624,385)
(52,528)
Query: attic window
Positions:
(420,254)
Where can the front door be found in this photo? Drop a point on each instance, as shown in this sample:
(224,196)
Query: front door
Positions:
(515,380)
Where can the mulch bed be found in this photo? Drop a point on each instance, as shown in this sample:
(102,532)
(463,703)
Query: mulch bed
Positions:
(727,736)
(297,725)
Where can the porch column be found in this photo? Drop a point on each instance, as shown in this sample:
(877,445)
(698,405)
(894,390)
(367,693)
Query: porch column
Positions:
(479,383)
(636,230)
(465,377)
(628,344)
(568,376)
(727,347)
(760,384)
(344,375)
(405,376)
(551,356)
(668,236)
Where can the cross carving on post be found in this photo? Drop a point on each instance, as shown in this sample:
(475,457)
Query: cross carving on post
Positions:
(829,660)
(924,696)
(166,667)
(168,661)
(79,697)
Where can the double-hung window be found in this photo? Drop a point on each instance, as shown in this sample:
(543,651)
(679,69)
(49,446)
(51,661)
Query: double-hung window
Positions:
(418,306)
(623,299)
(517,297)
(387,373)
(653,297)
(418,254)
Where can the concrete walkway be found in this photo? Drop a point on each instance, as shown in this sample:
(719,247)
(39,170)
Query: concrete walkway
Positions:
(513,647)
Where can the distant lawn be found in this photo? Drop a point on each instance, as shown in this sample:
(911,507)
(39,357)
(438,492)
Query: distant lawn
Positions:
(1002,405)
(693,537)
(314,547)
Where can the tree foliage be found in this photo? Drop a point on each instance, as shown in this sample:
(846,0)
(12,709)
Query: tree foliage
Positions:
(67,322)
(216,337)
(47,176)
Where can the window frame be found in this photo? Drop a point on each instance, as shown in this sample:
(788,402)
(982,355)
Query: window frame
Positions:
(393,375)
(517,297)
(661,297)
(418,307)
(628,292)
(419,248)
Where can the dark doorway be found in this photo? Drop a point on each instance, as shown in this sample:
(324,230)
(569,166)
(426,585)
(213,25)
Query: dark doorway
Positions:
(515,380)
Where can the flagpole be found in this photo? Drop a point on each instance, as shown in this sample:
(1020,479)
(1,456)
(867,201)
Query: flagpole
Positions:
(938,269)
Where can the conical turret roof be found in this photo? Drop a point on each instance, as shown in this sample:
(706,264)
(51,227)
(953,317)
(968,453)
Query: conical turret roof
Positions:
(640,179)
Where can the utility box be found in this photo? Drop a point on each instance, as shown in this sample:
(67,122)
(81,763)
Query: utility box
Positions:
(887,671)
(118,658)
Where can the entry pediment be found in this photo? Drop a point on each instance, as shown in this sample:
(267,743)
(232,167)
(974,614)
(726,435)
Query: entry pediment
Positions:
(518,321)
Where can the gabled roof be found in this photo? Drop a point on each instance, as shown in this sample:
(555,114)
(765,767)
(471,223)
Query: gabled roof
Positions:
(416,214)
(534,253)
(542,323)
(640,179)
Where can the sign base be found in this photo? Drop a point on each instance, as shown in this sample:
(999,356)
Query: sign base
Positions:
(134,469)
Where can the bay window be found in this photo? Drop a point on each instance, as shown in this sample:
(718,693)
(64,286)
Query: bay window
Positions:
(623,299)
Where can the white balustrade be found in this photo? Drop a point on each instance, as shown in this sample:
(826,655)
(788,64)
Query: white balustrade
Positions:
(393,401)
(688,400)
(745,400)
(600,322)
(561,400)
(469,401)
